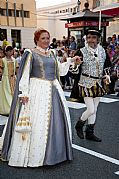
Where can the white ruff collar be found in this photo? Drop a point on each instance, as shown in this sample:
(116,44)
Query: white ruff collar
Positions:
(42,49)
(92,50)
(46,52)
(98,53)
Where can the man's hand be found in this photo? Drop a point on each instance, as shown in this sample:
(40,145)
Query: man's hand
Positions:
(106,79)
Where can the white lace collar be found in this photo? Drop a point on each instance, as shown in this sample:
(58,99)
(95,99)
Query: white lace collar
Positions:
(44,52)
(92,50)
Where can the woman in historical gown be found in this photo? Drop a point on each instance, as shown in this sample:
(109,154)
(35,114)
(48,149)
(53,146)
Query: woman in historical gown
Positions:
(50,140)
(8,68)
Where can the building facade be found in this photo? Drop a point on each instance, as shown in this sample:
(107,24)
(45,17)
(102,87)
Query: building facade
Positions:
(113,27)
(18,21)
(50,17)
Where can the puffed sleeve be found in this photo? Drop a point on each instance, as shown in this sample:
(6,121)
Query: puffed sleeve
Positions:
(64,67)
(24,81)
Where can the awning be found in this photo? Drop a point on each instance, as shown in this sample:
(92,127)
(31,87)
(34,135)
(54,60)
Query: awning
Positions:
(111,9)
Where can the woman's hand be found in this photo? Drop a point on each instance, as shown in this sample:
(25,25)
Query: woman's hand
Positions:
(77,60)
(24,100)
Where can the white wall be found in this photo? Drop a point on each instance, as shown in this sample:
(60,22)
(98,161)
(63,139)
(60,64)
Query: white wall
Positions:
(113,28)
(47,23)
(106,2)
(60,29)
(46,19)
(27,37)
(55,26)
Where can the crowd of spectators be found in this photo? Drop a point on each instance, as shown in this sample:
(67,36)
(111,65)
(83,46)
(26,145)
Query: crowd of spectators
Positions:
(67,47)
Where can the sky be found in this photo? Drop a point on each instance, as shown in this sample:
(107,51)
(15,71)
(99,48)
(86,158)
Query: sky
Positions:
(45,3)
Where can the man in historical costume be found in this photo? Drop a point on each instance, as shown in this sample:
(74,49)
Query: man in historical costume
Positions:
(90,82)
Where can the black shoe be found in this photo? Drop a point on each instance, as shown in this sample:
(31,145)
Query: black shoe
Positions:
(93,138)
(117,94)
(79,129)
(80,134)
(90,133)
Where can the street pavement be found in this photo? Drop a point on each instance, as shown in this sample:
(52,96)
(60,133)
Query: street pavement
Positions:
(91,160)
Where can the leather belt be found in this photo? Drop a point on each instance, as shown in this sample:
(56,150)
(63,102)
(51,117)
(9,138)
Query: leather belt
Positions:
(90,76)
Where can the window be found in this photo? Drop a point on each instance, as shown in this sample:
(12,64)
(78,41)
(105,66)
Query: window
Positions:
(11,12)
(26,14)
(74,10)
(3,12)
(63,11)
(18,13)
(57,12)
(16,38)
(3,34)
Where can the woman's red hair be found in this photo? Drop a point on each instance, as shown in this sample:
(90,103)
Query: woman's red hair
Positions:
(37,34)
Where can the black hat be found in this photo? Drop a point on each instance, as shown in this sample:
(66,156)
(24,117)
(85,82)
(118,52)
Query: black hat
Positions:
(93,32)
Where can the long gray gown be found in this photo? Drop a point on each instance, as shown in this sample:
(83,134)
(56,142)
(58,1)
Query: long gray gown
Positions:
(49,142)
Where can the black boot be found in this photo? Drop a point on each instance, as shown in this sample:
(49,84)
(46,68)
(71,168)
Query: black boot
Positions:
(90,133)
(79,129)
